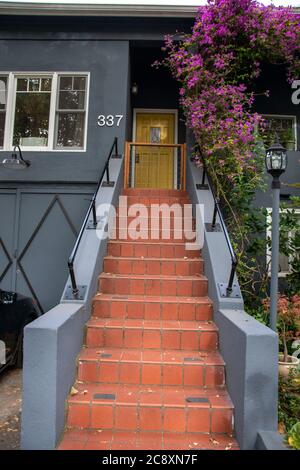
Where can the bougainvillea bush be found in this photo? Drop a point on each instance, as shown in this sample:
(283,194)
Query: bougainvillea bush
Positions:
(216,66)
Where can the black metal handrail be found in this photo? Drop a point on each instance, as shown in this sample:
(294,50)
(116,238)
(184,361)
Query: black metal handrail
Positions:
(218,211)
(91,209)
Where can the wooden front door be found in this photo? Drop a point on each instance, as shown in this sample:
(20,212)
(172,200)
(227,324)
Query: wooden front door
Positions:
(154,166)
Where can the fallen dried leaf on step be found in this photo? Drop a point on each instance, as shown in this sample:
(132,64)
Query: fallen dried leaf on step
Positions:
(214,442)
(74,391)
(229,446)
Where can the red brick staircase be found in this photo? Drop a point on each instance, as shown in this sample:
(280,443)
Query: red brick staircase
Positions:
(150,375)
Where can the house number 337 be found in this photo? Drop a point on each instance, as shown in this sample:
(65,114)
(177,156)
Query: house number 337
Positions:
(109,120)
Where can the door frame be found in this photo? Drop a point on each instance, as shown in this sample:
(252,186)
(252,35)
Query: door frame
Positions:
(156,111)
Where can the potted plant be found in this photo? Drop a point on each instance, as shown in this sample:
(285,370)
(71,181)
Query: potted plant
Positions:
(288,330)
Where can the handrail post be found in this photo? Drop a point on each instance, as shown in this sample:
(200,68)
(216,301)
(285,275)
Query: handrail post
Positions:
(116,147)
(213,224)
(179,182)
(203,175)
(94,213)
(107,173)
(231,278)
(75,289)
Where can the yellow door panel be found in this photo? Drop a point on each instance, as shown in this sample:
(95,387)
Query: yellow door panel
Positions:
(154,166)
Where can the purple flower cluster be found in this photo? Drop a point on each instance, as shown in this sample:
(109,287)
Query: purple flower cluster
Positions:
(218,61)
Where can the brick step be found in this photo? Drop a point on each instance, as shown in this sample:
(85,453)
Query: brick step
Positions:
(157,236)
(159,408)
(164,266)
(84,439)
(139,284)
(152,308)
(163,221)
(155,192)
(150,250)
(166,239)
(151,334)
(148,201)
(156,367)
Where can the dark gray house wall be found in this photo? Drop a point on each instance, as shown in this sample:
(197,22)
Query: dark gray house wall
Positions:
(42,207)
(107,62)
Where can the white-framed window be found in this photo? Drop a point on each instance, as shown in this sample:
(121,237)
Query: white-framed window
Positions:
(284,126)
(284,267)
(44,111)
(70,111)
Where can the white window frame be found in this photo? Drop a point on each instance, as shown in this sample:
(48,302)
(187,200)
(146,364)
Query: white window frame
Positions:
(288,116)
(10,110)
(5,74)
(282,274)
(74,111)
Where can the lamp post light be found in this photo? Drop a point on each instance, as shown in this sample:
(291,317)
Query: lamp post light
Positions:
(16,162)
(276,164)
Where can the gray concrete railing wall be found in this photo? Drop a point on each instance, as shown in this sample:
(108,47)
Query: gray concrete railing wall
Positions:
(53,341)
(249,348)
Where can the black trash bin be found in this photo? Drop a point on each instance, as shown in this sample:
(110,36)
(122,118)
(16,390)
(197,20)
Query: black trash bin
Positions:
(16,311)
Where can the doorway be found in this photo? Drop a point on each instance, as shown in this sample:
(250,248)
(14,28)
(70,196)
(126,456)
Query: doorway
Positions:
(154,166)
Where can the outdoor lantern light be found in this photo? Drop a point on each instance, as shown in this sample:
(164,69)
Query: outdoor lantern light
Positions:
(134,89)
(276,163)
(276,159)
(16,161)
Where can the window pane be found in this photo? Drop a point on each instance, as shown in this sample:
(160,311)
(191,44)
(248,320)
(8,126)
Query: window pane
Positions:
(284,127)
(79,83)
(34,84)
(70,130)
(46,84)
(22,84)
(3,85)
(65,83)
(71,100)
(283,263)
(31,119)
(2,123)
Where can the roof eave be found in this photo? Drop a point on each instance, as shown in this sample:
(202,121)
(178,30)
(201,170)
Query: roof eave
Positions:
(40,9)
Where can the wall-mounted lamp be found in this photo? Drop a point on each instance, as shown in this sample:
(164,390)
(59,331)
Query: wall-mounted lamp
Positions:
(135,89)
(16,162)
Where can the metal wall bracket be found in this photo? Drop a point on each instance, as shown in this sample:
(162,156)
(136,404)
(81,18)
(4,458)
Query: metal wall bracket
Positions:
(90,225)
(105,184)
(80,296)
(216,228)
(117,156)
(235,294)
(202,187)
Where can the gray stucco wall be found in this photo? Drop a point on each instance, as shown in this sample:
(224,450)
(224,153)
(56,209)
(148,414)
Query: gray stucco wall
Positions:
(108,64)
